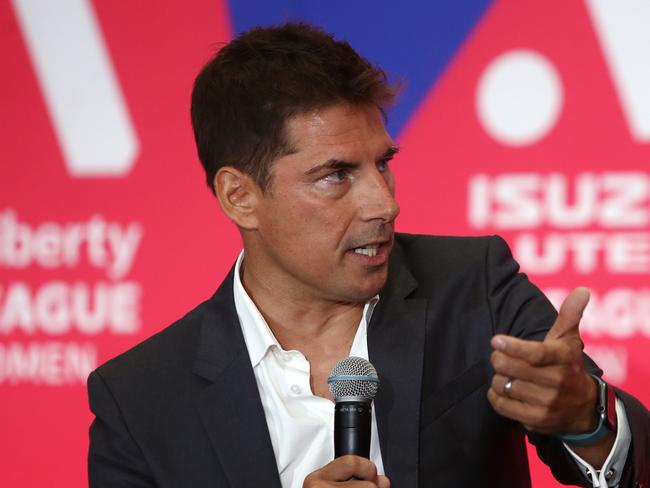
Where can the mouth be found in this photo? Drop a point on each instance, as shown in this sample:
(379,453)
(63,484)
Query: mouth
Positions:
(373,254)
(370,250)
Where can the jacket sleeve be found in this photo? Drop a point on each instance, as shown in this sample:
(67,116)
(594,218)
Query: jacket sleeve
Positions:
(520,309)
(114,458)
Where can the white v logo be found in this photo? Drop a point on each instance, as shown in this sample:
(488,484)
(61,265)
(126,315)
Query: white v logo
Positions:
(76,76)
(622,28)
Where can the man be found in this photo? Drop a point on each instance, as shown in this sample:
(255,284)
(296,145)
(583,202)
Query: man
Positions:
(289,128)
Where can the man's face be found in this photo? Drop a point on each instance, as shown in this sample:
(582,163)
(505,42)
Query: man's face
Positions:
(325,225)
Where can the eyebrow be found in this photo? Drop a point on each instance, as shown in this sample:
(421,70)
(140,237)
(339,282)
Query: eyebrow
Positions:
(340,164)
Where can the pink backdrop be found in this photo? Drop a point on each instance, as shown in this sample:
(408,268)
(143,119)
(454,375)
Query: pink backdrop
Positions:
(537,131)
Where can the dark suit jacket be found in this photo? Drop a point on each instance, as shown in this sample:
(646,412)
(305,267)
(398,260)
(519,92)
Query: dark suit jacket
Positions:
(182,409)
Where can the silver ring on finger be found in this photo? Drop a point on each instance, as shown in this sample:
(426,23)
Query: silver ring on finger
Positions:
(507,387)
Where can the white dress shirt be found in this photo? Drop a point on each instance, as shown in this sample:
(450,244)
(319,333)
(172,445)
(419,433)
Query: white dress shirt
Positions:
(301,424)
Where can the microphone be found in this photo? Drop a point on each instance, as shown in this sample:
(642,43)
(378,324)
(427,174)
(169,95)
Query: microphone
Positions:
(353,384)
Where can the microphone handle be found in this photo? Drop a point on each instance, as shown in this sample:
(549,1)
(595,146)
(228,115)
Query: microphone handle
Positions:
(352,425)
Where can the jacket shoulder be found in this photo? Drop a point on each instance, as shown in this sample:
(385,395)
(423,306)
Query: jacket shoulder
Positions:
(439,253)
(452,261)
(167,349)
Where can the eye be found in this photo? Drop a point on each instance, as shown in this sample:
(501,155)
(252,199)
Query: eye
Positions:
(383,165)
(339,176)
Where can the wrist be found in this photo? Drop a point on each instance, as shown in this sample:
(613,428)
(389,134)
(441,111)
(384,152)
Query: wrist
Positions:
(602,418)
(589,418)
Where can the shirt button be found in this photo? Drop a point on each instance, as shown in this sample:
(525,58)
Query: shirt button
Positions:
(609,474)
(287,358)
(296,390)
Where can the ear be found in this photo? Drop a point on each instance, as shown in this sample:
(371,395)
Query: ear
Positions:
(238,195)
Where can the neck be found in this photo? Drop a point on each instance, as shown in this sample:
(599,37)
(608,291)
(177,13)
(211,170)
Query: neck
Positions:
(299,320)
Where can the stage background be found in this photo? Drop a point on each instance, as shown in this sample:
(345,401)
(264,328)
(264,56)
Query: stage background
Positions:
(525,118)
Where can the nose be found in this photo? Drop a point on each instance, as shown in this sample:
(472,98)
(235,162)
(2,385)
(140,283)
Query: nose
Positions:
(378,201)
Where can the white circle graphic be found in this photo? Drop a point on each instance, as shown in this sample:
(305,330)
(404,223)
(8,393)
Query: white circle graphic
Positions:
(519,97)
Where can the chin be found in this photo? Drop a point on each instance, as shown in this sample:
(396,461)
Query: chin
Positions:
(366,293)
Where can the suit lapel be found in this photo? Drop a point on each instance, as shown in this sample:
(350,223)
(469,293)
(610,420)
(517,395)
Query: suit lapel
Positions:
(396,348)
(230,406)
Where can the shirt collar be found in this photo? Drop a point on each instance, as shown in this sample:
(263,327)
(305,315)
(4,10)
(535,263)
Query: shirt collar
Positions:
(257,334)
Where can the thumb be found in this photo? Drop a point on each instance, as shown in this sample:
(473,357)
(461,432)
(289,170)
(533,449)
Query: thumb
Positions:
(383,482)
(570,314)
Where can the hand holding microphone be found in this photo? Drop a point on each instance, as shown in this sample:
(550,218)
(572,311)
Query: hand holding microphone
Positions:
(347,471)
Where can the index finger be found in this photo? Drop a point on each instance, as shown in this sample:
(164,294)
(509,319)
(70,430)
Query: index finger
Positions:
(346,467)
(533,352)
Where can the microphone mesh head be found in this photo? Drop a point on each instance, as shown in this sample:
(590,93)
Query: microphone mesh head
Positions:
(353,378)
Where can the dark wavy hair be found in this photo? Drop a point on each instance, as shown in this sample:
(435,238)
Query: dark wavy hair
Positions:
(243,97)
